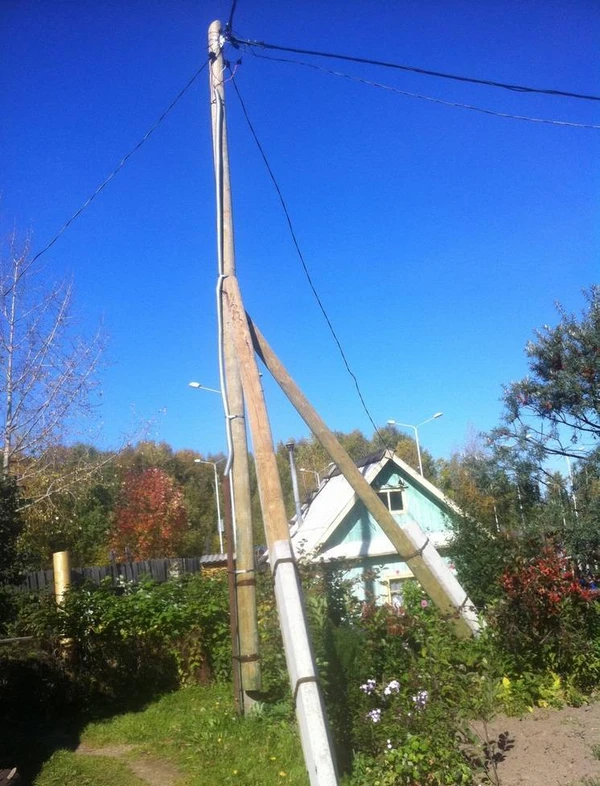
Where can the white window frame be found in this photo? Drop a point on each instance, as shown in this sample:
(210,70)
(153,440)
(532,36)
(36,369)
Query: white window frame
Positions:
(387,490)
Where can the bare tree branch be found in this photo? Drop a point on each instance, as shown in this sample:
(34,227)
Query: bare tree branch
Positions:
(47,371)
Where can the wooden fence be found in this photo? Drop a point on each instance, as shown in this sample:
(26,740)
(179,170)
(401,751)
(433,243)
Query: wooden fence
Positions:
(157,569)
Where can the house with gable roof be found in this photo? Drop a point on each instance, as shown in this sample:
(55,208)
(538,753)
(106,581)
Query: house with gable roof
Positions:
(337,528)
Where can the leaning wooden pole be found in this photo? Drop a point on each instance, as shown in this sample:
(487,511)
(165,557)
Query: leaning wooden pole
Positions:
(411,543)
(314,732)
(239,471)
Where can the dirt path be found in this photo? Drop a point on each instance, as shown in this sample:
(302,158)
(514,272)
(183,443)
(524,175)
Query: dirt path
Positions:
(148,768)
(550,747)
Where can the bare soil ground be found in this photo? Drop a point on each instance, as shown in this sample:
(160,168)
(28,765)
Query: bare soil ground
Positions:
(550,747)
(148,768)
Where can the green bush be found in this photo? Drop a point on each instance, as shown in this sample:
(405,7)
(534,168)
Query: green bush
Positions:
(548,622)
(134,640)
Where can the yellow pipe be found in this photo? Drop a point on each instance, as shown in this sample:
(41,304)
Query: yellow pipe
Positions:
(62,575)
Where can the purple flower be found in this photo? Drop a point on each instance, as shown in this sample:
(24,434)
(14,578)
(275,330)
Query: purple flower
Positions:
(421,699)
(392,687)
(424,604)
(368,687)
(374,715)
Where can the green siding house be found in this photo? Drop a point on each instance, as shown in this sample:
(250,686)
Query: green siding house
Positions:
(337,528)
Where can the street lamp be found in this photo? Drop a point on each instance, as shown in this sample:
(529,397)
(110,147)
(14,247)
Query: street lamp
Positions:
(291,445)
(219,523)
(415,429)
(313,472)
(198,386)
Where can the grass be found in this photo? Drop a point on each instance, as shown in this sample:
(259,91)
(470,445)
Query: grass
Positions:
(64,768)
(194,730)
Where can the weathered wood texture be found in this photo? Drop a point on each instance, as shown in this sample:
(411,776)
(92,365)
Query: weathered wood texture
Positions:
(157,569)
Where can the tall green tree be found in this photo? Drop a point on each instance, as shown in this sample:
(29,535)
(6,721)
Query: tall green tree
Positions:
(555,409)
(499,512)
(76,517)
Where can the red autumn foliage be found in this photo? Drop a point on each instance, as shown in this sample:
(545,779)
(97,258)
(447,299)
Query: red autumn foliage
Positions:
(151,517)
(546,615)
(544,584)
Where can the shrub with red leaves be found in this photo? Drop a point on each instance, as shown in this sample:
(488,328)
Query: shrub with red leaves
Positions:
(546,616)
(543,585)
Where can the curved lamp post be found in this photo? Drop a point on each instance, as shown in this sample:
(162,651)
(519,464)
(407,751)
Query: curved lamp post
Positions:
(198,386)
(416,430)
(312,472)
(219,524)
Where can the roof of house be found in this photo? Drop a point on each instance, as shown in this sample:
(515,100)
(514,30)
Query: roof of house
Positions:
(336,498)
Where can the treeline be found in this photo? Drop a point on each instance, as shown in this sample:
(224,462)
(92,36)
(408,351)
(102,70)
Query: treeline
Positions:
(152,501)
(146,501)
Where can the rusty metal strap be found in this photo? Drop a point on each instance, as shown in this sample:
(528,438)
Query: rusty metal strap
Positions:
(247,658)
(246,583)
(458,610)
(300,682)
(417,553)
(280,561)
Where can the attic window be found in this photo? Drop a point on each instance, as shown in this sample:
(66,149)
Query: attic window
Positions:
(392,499)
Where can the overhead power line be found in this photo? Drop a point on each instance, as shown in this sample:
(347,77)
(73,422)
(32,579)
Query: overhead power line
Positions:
(121,163)
(412,69)
(303,261)
(229,24)
(444,102)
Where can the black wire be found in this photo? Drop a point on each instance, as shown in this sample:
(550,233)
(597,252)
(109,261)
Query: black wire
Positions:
(421,96)
(229,24)
(414,69)
(121,163)
(303,262)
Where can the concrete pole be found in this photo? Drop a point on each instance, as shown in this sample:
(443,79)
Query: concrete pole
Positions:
(240,470)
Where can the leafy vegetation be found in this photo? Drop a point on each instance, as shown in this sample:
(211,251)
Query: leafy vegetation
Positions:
(556,408)
(150,518)
(127,644)
(400,689)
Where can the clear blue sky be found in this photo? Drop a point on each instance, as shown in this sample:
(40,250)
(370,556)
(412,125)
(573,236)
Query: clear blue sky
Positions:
(438,238)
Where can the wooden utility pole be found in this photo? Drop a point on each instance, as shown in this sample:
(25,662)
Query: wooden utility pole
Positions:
(240,472)
(238,694)
(411,543)
(314,733)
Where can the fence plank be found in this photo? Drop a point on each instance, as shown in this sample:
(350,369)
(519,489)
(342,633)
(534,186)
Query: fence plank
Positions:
(159,570)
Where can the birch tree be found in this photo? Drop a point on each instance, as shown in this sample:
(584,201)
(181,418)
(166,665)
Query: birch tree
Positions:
(47,370)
